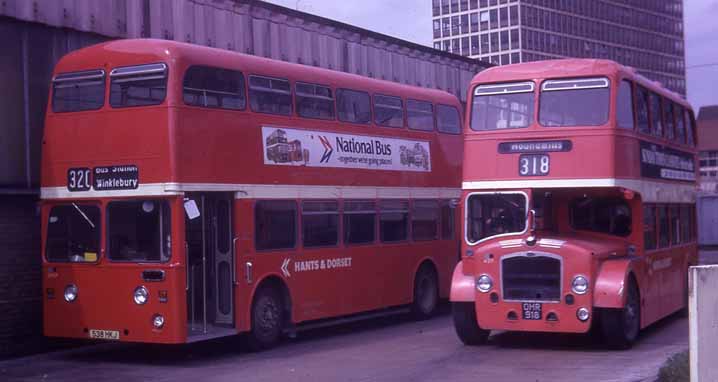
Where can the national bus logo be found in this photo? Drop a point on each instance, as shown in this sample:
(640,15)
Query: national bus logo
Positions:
(294,147)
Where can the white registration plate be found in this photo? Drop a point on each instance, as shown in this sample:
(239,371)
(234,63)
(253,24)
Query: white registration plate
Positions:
(105,334)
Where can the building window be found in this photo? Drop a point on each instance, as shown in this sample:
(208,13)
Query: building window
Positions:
(504,17)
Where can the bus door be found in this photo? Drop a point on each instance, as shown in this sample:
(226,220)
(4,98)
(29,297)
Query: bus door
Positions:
(210,290)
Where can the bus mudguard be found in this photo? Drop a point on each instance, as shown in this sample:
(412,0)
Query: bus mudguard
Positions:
(462,285)
(611,281)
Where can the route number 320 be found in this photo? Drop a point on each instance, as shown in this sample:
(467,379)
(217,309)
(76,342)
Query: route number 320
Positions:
(534,165)
(78,179)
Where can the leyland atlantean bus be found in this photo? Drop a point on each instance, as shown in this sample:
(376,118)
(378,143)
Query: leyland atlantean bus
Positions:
(578,202)
(191,193)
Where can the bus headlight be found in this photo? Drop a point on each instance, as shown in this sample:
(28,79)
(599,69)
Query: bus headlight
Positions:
(158,321)
(484,283)
(141,295)
(70,293)
(583,314)
(579,285)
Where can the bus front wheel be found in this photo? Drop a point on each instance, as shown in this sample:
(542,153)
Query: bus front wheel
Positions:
(467,328)
(267,319)
(621,326)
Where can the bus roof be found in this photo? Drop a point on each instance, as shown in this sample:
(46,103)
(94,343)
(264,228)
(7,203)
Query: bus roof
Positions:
(570,67)
(127,52)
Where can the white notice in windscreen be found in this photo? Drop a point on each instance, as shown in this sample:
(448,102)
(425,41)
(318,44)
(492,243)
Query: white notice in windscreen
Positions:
(191,209)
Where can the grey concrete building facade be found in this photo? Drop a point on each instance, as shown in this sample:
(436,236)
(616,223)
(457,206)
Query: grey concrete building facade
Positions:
(37,33)
(645,34)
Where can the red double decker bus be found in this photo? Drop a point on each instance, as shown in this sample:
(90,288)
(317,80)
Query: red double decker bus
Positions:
(190,193)
(578,202)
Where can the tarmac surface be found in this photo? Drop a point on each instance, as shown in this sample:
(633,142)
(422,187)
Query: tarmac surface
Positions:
(385,349)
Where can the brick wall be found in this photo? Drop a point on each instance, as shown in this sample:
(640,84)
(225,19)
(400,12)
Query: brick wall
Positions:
(20,288)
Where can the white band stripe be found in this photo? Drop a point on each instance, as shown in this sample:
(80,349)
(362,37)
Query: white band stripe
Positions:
(262,191)
(651,191)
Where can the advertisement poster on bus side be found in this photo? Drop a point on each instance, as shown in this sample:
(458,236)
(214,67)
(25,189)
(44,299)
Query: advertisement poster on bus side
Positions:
(660,162)
(293,147)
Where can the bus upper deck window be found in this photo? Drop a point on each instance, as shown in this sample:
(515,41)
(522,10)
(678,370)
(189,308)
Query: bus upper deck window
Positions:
(270,95)
(448,119)
(574,102)
(502,106)
(73,233)
(214,87)
(420,115)
(78,91)
(388,111)
(353,106)
(314,101)
(140,85)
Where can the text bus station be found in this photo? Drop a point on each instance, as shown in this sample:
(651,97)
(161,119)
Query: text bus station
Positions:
(578,202)
(190,193)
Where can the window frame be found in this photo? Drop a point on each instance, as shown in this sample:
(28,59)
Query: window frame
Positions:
(243,93)
(115,72)
(87,75)
(433,115)
(333,100)
(100,232)
(270,90)
(369,97)
(374,113)
(337,213)
(438,125)
(558,81)
(295,237)
(344,214)
(163,203)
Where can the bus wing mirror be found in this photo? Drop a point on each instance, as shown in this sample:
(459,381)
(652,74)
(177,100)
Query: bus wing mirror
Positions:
(532,221)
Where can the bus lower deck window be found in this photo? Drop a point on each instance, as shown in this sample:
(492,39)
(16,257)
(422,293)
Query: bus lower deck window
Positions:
(393,220)
(275,224)
(320,223)
(425,220)
(359,221)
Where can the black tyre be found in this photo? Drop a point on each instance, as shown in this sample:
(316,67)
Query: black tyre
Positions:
(621,326)
(267,320)
(466,326)
(426,293)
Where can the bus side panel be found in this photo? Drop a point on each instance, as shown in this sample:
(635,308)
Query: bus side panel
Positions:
(246,274)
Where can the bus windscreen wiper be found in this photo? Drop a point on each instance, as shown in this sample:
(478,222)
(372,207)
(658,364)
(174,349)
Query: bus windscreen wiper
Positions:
(84,216)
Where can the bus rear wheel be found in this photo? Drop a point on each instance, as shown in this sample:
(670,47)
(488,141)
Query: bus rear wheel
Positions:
(267,319)
(426,293)
(621,326)
(467,328)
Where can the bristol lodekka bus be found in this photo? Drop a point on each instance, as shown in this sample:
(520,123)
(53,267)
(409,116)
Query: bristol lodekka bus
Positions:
(578,201)
(191,193)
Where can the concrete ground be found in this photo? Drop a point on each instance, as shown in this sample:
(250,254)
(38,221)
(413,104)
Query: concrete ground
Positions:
(387,349)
